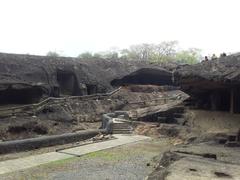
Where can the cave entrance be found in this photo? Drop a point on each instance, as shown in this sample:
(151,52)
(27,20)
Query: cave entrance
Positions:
(91,89)
(214,100)
(235,100)
(218,100)
(21,96)
(145,76)
(67,83)
(226,100)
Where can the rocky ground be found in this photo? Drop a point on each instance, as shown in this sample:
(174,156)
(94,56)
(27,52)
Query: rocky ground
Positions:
(202,161)
(204,149)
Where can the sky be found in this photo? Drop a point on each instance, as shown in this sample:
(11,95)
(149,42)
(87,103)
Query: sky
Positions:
(71,27)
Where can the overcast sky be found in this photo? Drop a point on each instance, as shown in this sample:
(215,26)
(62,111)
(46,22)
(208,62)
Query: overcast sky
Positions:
(74,26)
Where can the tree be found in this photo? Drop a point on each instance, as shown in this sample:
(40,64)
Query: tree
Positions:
(53,54)
(165,51)
(140,52)
(108,55)
(124,54)
(85,55)
(97,55)
(151,52)
(190,56)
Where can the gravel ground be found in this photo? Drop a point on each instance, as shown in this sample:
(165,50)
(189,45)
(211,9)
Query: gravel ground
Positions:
(132,161)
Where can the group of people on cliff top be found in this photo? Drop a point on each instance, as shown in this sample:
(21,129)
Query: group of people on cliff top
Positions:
(214,57)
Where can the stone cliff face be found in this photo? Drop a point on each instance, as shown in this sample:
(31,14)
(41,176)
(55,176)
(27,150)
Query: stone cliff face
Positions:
(27,78)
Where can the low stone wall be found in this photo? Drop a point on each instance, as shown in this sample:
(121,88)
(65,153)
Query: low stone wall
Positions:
(45,141)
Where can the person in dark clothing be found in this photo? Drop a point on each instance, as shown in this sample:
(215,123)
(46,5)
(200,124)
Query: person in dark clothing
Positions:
(223,55)
(206,58)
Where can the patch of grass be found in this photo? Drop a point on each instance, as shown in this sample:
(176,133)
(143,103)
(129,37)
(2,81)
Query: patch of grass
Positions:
(61,162)
(106,155)
(26,175)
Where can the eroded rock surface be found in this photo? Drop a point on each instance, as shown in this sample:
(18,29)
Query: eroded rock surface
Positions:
(27,79)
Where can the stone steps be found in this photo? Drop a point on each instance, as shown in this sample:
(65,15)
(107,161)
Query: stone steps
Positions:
(122,131)
(121,128)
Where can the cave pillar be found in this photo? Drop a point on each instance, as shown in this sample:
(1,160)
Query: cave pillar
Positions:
(232,101)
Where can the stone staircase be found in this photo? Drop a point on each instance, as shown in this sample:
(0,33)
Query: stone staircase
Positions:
(121,127)
(179,117)
(173,116)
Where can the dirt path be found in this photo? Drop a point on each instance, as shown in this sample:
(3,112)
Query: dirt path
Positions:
(132,161)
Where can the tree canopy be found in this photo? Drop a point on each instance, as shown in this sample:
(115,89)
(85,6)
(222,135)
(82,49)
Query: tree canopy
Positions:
(167,51)
(86,55)
(53,54)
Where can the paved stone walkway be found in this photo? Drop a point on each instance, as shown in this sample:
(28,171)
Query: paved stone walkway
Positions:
(121,140)
(36,160)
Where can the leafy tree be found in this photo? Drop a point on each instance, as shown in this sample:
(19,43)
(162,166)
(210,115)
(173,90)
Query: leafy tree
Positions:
(53,54)
(109,55)
(140,52)
(124,54)
(165,51)
(86,55)
(97,55)
(190,56)
(151,52)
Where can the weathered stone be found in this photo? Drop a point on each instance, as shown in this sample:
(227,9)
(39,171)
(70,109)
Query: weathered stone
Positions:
(27,78)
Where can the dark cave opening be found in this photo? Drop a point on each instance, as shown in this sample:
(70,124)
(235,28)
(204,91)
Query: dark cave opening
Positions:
(236,100)
(145,76)
(217,100)
(171,116)
(21,96)
(221,102)
(91,89)
(67,83)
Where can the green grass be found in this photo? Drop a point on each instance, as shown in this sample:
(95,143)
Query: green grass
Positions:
(105,155)
(61,162)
